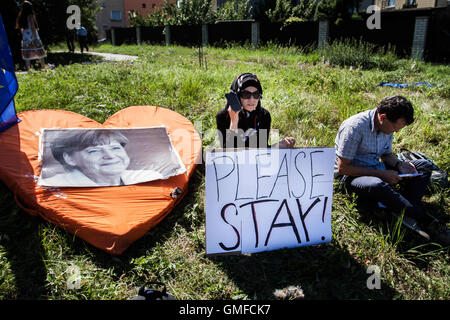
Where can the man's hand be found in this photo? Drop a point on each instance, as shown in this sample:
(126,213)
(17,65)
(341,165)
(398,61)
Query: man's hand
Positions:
(345,166)
(389,176)
(406,167)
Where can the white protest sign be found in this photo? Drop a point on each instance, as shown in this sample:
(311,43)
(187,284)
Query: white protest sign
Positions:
(266,199)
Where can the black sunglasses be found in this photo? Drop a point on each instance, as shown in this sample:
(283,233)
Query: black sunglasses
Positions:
(247,94)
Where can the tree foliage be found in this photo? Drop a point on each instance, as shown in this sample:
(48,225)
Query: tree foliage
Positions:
(51,16)
(192,12)
(287,11)
(188,12)
(335,11)
(234,10)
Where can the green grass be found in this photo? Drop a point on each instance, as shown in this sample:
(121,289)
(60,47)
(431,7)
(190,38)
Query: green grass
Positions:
(308,99)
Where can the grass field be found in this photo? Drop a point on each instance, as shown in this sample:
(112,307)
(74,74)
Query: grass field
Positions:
(308,99)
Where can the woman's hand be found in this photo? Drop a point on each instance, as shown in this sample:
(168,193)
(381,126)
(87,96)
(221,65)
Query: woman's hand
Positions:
(234,118)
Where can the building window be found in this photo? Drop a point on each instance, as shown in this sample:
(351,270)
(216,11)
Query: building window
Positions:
(116,15)
(144,5)
(391,3)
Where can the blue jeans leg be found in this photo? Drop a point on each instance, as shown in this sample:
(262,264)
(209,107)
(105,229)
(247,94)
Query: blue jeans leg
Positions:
(414,188)
(378,190)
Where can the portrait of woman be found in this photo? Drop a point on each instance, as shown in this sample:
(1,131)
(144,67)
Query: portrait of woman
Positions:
(101,157)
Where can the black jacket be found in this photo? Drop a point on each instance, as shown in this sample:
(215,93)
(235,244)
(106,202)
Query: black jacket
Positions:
(255,126)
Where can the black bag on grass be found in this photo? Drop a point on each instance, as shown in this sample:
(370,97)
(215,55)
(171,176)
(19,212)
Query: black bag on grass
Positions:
(439,178)
(145,293)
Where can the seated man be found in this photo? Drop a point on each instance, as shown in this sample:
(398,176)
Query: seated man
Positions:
(364,139)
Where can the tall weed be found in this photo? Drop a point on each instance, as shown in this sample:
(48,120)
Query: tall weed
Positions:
(359,54)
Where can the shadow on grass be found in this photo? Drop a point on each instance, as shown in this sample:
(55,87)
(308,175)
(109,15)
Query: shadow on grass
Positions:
(322,272)
(19,236)
(67,58)
(19,232)
(62,59)
(407,243)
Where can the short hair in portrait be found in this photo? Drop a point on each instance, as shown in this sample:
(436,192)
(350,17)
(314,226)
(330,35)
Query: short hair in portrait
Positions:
(78,157)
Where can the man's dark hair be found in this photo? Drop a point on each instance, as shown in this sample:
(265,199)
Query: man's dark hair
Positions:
(397,107)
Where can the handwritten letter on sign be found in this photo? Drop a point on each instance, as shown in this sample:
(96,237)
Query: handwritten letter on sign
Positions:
(267,199)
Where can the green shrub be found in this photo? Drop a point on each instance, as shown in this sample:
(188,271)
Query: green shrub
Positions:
(288,11)
(234,10)
(359,54)
(192,12)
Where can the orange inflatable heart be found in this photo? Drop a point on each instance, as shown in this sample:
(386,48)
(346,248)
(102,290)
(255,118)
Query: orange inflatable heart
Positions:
(110,218)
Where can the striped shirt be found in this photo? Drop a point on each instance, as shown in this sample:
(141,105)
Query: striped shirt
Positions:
(357,140)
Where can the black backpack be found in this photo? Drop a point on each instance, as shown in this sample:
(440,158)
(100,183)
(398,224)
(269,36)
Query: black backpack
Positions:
(439,178)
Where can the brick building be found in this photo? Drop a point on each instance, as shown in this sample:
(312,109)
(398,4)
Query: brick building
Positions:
(111,15)
(142,7)
(399,4)
(114,13)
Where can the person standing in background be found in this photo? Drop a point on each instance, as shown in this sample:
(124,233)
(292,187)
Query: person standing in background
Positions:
(82,38)
(70,37)
(32,47)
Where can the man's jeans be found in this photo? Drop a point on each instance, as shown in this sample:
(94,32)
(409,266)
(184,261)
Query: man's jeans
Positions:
(408,198)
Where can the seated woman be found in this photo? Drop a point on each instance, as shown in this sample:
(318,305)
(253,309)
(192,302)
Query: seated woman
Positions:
(248,127)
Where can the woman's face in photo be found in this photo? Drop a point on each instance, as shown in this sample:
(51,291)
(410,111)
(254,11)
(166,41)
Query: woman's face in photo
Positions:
(100,161)
(249,98)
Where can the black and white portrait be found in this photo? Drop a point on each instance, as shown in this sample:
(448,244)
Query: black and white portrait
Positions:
(106,157)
